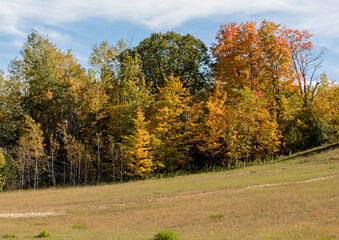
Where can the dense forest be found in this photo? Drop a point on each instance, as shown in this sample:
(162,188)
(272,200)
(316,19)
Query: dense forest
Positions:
(168,104)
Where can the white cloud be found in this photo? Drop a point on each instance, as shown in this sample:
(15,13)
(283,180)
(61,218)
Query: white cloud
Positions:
(50,17)
(319,16)
(18,16)
(56,37)
(18,42)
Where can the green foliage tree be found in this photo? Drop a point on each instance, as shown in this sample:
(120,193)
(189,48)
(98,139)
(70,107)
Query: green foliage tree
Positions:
(183,56)
(50,81)
(10,111)
(122,85)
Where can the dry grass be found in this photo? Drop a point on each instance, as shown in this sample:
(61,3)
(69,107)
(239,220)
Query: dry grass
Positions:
(286,205)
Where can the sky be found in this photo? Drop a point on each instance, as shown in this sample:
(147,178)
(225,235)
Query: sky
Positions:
(79,24)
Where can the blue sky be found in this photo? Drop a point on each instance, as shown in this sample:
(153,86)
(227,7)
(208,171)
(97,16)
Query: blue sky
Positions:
(78,24)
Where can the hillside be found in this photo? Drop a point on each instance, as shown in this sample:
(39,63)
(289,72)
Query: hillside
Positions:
(296,198)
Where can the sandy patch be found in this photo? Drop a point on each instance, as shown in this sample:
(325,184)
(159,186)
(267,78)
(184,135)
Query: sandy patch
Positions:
(29,214)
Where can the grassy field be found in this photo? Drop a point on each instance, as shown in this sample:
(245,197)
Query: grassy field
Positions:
(297,198)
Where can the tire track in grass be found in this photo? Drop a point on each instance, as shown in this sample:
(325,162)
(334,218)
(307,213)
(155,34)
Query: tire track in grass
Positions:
(244,188)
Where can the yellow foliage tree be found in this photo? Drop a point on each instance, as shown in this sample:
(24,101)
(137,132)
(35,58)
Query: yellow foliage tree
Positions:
(171,123)
(32,141)
(211,133)
(2,170)
(138,148)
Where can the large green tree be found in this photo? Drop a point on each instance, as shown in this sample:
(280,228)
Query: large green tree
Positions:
(10,110)
(50,80)
(183,56)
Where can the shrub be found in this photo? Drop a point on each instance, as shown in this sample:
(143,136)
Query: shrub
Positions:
(43,234)
(41,224)
(166,235)
(217,216)
(7,235)
(79,226)
(324,238)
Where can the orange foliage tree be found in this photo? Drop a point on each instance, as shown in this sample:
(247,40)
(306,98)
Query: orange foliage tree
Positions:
(242,131)
(305,62)
(258,59)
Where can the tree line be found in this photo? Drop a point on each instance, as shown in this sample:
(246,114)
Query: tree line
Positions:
(168,104)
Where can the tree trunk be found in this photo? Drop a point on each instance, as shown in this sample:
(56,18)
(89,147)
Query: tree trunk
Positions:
(36,174)
(53,173)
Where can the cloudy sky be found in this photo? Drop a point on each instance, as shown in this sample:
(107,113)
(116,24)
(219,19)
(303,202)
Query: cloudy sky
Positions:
(78,24)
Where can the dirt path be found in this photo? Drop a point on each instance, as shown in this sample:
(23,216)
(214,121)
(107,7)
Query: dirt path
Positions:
(183,196)
(29,214)
(286,183)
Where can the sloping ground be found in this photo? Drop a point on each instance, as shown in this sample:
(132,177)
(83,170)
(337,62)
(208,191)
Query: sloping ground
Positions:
(293,199)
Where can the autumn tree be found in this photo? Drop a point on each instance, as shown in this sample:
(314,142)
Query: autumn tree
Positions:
(326,104)
(170,122)
(257,132)
(210,133)
(50,80)
(258,59)
(113,155)
(98,142)
(276,80)
(305,62)
(314,124)
(32,141)
(138,145)
(11,116)
(102,61)
(237,57)
(23,163)
(52,156)
(242,131)
(2,170)
(77,157)
(155,107)
(122,85)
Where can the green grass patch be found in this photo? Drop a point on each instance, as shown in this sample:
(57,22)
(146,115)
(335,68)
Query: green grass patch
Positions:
(41,224)
(79,226)
(166,235)
(310,151)
(43,234)
(8,235)
(217,216)
(325,238)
